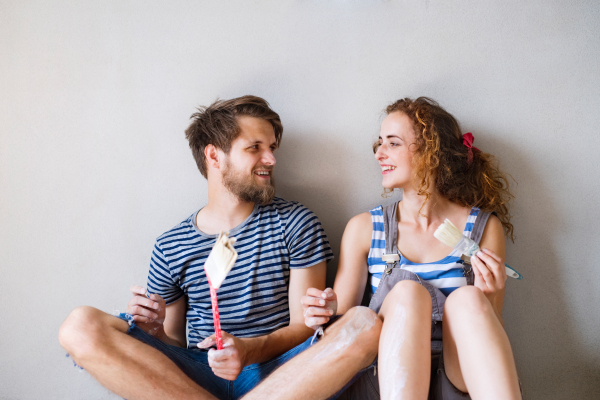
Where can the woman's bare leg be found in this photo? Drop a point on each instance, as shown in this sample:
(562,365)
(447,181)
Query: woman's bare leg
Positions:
(477,354)
(405,344)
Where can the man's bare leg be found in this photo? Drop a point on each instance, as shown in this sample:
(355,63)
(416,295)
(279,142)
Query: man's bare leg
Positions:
(405,344)
(98,342)
(348,346)
(477,354)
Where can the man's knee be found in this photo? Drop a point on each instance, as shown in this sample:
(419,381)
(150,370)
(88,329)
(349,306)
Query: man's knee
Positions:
(81,331)
(364,326)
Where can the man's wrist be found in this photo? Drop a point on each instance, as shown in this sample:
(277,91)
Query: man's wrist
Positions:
(250,349)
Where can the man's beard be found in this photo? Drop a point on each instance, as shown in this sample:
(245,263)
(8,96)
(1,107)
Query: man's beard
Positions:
(245,188)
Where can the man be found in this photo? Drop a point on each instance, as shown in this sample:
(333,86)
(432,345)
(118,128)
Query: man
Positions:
(282,251)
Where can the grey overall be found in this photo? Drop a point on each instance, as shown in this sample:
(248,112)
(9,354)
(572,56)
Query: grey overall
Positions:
(367,386)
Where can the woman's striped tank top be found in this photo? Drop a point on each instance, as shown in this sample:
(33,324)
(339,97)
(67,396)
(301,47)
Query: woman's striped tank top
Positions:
(445,274)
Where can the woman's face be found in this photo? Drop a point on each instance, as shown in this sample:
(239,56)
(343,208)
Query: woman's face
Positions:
(395,152)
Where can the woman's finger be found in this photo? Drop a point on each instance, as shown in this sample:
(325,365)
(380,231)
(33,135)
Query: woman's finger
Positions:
(318,312)
(484,273)
(492,254)
(492,265)
(313,301)
(487,259)
(315,321)
(314,292)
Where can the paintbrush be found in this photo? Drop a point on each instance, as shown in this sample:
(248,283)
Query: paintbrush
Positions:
(217,266)
(449,234)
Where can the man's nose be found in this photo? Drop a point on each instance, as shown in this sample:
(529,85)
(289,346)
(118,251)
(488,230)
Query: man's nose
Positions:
(268,158)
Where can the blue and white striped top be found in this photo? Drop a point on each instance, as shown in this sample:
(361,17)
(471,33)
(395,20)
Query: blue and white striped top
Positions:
(253,299)
(445,274)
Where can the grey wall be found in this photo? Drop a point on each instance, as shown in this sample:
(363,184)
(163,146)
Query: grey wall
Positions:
(94,98)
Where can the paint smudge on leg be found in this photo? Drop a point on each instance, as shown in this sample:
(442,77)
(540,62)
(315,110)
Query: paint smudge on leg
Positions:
(392,375)
(362,320)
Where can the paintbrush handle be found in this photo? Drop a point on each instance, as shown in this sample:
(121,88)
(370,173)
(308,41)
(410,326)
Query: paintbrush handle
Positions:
(216,319)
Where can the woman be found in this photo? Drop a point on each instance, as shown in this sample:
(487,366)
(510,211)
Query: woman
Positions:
(428,348)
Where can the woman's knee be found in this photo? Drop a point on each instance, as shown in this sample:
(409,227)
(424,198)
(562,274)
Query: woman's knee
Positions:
(411,294)
(467,301)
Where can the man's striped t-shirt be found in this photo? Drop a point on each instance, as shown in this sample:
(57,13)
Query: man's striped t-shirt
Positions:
(446,274)
(253,299)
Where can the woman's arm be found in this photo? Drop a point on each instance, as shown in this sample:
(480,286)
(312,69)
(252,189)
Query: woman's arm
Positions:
(352,272)
(490,275)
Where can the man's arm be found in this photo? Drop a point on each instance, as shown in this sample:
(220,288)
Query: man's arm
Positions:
(155,317)
(239,352)
(266,347)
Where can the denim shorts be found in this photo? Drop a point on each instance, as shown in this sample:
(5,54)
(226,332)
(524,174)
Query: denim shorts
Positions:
(194,363)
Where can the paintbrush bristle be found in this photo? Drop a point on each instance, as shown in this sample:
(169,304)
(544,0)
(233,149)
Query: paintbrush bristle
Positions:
(220,260)
(448,234)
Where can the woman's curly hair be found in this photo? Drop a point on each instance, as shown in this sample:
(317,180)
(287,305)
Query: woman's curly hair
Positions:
(441,155)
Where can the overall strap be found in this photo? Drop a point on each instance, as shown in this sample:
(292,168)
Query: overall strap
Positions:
(476,233)
(479,225)
(390,224)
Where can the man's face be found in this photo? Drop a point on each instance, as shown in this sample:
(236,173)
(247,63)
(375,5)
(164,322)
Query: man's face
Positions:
(248,168)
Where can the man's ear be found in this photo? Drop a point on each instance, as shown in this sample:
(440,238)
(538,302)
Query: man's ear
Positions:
(212,156)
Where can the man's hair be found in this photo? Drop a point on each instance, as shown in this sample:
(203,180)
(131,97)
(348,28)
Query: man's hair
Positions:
(217,125)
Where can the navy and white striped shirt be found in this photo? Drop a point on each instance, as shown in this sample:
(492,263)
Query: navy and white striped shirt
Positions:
(445,274)
(253,299)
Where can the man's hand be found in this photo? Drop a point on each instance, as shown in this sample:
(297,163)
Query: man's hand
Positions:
(148,313)
(228,362)
(319,306)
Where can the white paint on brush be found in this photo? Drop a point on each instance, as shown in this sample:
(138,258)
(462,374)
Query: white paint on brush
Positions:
(393,376)
(362,320)
(448,234)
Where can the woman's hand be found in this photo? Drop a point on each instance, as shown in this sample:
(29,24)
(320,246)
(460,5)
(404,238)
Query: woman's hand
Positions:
(318,306)
(490,274)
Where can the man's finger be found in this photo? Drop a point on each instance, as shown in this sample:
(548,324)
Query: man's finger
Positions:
(144,302)
(141,319)
(138,310)
(135,289)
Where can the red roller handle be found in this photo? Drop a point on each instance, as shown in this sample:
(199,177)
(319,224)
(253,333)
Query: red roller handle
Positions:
(216,319)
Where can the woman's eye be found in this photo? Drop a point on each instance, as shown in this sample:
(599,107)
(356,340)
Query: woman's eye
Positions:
(393,144)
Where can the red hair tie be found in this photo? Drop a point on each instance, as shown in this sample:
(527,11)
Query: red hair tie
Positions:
(468,140)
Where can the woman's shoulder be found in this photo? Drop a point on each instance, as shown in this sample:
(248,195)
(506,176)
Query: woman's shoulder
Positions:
(360,221)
